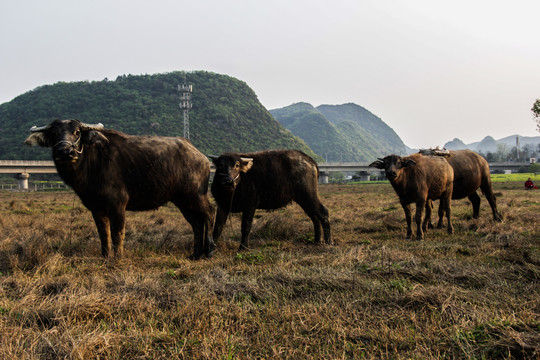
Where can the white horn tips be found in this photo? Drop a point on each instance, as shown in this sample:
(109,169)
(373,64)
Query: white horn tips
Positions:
(97,126)
(37,129)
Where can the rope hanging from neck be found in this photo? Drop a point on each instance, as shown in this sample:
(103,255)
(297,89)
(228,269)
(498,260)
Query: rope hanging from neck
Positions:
(232,199)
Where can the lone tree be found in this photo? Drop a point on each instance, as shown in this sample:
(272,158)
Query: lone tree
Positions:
(536,111)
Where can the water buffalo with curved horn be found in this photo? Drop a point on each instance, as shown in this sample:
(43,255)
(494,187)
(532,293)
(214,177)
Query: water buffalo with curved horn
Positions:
(419,179)
(113,172)
(471,171)
(267,180)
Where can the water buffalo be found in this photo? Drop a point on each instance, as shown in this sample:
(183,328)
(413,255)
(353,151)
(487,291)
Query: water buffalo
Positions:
(419,179)
(267,180)
(471,171)
(113,172)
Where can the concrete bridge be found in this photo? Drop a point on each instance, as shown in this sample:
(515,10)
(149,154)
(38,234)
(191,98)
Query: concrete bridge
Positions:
(365,171)
(23,168)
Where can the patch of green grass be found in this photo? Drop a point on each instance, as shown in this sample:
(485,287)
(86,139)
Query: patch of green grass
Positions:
(401,285)
(306,238)
(252,258)
(390,208)
(476,335)
(515,177)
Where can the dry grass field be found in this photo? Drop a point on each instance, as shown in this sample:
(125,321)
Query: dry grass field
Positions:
(473,295)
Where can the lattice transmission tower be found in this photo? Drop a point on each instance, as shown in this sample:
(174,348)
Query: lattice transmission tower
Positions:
(185,104)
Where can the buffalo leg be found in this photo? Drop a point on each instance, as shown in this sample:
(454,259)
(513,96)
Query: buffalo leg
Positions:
(427,217)
(427,220)
(118,232)
(200,220)
(247,222)
(104,232)
(198,238)
(475,201)
(316,228)
(318,213)
(325,222)
(441,216)
(203,211)
(315,219)
(408,219)
(197,225)
(420,205)
(209,244)
(488,192)
(221,219)
(448,210)
(320,219)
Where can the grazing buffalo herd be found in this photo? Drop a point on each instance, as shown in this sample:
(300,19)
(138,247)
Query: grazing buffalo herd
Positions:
(113,172)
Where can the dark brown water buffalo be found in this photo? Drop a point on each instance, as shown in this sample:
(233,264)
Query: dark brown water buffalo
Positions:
(419,179)
(113,172)
(267,180)
(471,171)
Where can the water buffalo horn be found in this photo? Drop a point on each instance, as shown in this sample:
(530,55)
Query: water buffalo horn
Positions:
(377,163)
(97,126)
(38,129)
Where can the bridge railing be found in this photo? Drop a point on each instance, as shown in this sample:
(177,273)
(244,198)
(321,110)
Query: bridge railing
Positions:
(34,187)
(26,163)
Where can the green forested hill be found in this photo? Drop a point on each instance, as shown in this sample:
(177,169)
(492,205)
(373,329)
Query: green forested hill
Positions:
(226,114)
(341,132)
(324,138)
(371,128)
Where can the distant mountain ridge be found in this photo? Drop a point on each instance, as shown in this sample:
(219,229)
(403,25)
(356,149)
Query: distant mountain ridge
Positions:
(489,144)
(346,132)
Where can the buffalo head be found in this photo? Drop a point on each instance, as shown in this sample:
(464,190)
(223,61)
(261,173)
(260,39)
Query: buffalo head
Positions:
(67,138)
(229,168)
(392,165)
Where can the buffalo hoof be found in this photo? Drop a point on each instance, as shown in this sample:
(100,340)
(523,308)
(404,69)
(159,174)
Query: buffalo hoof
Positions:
(195,256)
(210,250)
(242,248)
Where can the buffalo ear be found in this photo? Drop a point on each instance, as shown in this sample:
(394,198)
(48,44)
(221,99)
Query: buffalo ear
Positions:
(246,164)
(37,139)
(95,137)
(407,162)
(377,164)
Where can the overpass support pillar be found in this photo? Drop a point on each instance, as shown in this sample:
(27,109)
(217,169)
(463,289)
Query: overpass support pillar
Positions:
(364,176)
(323,178)
(23,180)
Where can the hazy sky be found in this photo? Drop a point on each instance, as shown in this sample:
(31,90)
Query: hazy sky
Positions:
(432,70)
